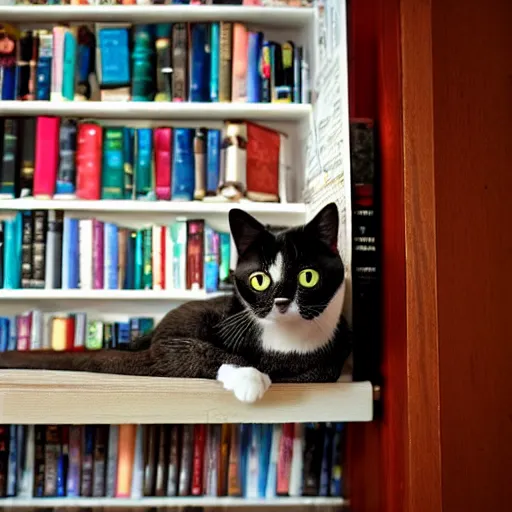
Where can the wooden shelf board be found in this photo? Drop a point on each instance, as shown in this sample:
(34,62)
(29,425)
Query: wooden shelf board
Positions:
(169,111)
(282,17)
(41,397)
(147,502)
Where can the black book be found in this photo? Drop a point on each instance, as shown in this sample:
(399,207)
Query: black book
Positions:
(39,452)
(313,451)
(53,250)
(4,459)
(100,460)
(27,155)
(39,248)
(365,251)
(27,239)
(10,163)
(1,254)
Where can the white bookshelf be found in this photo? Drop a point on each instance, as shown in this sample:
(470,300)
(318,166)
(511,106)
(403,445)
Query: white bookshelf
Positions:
(278,17)
(42,397)
(203,501)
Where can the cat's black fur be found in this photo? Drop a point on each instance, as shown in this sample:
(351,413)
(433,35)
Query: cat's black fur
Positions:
(195,339)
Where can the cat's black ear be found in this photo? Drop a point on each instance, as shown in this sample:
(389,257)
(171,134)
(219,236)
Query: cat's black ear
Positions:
(244,228)
(325,226)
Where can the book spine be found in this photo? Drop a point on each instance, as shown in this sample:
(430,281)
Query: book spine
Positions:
(128,161)
(70,252)
(266,72)
(285,459)
(12,252)
(94,339)
(325,474)
(240,63)
(163,63)
(161,463)
(53,256)
(198,468)
(150,458)
(66,176)
(179,242)
(233,178)
(36,330)
(113,56)
(139,260)
(12,466)
(99,465)
(212,161)
(264,459)
(313,447)
(51,454)
(28,144)
(122,240)
(157,258)
(144,164)
(4,459)
(179,62)
(147,246)
(183,165)
(88,161)
(163,161)
(85,64)
(22,457)
(74,467)
(200,164)
(138,465)
(113,164)
(297,463)
(39,248)
(24,325)
(2,255)
(195,254)
(174,460)
(87,461)
(234,469)
(223,461)
(39,461)
(255,44)
(80,332)
(44,67)
(167,259)
(297,75)
(187,457)
(63,461)
(57,63)
(10,165)
(69,65)
(225,66)
(336,486)
(214,61)
(271,486)
(211,260)
(251,486)
(26,45)
(58,333)
(199,62)
(125,461)
(86,253)
(111,257)
(143,63)
(98,254)
(27,464)
(26,250)
(113,452)
(47,156)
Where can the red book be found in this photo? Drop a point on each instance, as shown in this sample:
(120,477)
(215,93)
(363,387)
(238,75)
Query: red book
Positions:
(198,467)
(88,161)
(262,163)
(163,235)
(70,333)
(284,461)
(162,141)
(47,156)
(195,254)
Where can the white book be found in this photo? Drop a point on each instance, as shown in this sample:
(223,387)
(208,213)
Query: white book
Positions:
(80,330)
(36,330)
(169,248)
(138,466)
(86,250)
(271,489)
(157,257)
(26,485)
(113,448)
(251,489)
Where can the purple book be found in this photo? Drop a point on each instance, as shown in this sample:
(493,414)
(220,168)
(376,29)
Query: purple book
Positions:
(75,457)
(97,254)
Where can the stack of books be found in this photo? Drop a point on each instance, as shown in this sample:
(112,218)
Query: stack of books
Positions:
(200,62)
(35,330)
(52,250)
(63,158)
(123,461)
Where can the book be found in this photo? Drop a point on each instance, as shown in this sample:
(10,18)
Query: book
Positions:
(57,63)
(88,161)
(44,66)
(112,186)
(163,62)
(144,164)
(198,460)
(186,461)
(26,249)
(240,63)
(10,163)
(199,62)
(125,460)
(195,254)
(100,462)
(214,61)
(225,65)
(40,228)
(87,461)
(179,62)
(74,466)
(66,175)
(162,143)
(112,461)
(183,175)
(52,449)
(200,164)
(27,148)
(143,63)
(70,251)
(111,256)
(254,86)
(174,460)
(47,156)
(85,237)
(213,161)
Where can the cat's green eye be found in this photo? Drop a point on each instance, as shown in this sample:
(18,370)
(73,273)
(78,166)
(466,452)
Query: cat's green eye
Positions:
(308,278)
(259,281)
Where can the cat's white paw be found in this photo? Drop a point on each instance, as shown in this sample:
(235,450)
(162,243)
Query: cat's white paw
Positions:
(247,383)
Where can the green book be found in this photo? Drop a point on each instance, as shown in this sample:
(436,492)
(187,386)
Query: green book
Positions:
(147,251)
(112,186)
(146,325)
(94,340)
(128,157)
(139,259)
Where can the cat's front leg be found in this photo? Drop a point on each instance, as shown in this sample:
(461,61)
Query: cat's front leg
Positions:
(247,383)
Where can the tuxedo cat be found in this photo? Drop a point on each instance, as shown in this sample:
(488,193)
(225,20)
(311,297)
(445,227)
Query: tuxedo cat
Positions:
(283,323)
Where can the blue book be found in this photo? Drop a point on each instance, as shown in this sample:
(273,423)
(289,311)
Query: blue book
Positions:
(255,44)
(13,334)
(264,458)
(113,44)
(297,74)
(110,256)
(138,260)
(44,67)
(12,472)
(245,441)
(183,177)
(134,328)
(70,254)
(12,252)
(212,161)
(336,461)
(62,464)
(211,259)
(144,182)
(214,61)
(325,472)
(4,333)
(199,63)
(271,487)
(123,334)
(8,82)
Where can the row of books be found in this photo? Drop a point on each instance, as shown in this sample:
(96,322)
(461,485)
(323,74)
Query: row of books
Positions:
(69,332)
(52,157)
(199,62)
(53,250)
(261,3)
(131,461)
(35,330)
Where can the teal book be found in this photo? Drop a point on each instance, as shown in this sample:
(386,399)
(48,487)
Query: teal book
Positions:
(12,252)
(143,63)
(128,160)
(147,257)
(144,180)
(69,66)
(139,259)
(179,256)
(112,186)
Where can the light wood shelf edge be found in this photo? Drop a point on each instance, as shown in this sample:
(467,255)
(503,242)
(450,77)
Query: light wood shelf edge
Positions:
(41,397)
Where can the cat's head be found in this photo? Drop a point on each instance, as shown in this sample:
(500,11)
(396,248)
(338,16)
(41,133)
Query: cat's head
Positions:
(291,275)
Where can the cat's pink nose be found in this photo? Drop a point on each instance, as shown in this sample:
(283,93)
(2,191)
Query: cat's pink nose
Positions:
(282,304)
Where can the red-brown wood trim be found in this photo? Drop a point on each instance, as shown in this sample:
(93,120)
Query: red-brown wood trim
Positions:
(424,493)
